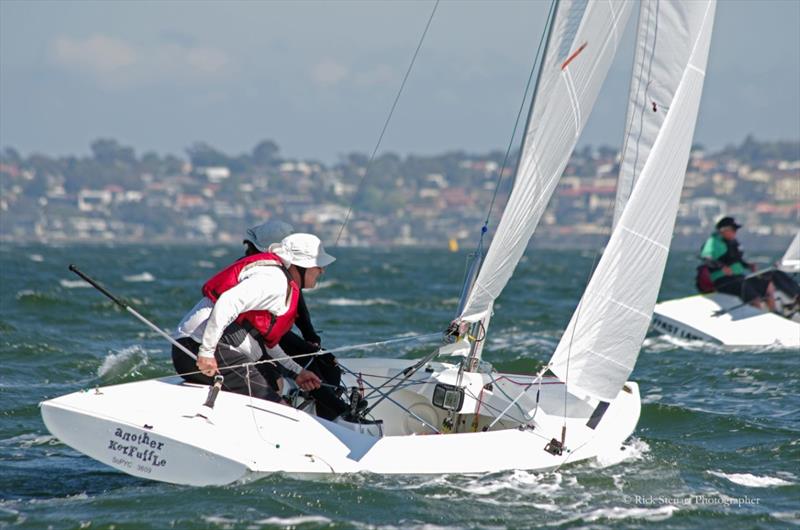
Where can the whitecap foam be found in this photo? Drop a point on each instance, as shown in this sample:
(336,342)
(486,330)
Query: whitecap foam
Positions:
(354,302)
(661,343)
(123,362)
(616,513)
(30,440)
(325,285)
(294,521)
(218,252)
(37,258)
(73,284)
(517,480)
(205,264)
(752,481)
(142,277)
(218,520)
(633,450)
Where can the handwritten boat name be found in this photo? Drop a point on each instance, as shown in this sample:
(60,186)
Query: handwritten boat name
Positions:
(140,447)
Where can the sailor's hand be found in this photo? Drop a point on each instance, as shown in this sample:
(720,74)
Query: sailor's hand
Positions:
(727,270)
(307,380)
(207,365)
(753,267)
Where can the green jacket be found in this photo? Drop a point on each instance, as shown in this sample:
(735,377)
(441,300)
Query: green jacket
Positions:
(718,252)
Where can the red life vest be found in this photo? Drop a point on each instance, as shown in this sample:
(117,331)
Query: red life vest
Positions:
(271,327)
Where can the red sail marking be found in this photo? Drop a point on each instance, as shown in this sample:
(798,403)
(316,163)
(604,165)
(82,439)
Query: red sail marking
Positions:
(571,57)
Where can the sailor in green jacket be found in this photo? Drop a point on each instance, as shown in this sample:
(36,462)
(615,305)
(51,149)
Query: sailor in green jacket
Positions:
(725,261)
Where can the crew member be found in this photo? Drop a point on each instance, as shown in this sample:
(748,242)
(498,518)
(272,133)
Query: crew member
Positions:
(246,310)
(725,260)
(257,239)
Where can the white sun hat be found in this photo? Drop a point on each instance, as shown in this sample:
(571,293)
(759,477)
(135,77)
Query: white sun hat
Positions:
(265,234)
(303,250)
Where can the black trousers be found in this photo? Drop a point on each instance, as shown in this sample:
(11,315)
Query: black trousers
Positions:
(257,381)
(756,287)
(328,403)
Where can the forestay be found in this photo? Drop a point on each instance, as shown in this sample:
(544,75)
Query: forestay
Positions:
(599,348)
(580,49)
(664,40)
(790,262)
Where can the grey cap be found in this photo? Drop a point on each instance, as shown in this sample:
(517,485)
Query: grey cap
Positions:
(265,234)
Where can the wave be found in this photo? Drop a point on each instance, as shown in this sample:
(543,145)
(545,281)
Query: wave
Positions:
(293,522)
(36,258)
(30,440)
(355,302)
(127,361)
(665,343)
(142,277)
(73,284)
(325,284)
(29,295)
(633,450)
(616,513)
(752,481)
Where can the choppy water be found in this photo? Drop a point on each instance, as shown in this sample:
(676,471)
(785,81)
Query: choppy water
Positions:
(718,444)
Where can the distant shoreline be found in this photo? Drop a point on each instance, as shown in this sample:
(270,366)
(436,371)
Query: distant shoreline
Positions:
(752,243)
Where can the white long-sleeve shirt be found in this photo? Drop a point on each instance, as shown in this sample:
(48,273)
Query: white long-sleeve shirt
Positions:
(259,288)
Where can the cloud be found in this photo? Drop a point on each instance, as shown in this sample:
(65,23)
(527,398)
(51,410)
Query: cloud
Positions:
(114,62)
(97,54)
(328,73)
(380,74)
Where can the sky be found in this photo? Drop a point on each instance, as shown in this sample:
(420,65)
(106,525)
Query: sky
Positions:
(319,78)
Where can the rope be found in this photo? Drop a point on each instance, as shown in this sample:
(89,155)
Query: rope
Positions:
(318,353)
(386,123)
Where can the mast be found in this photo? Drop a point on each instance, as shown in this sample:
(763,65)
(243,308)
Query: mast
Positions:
(479,254)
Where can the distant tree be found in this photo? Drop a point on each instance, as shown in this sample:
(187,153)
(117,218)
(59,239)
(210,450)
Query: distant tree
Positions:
(265,153)
(10,156)
(109,151)
(203,155)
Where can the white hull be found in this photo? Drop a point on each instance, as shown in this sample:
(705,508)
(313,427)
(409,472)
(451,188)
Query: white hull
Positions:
(694,317)
(150,429)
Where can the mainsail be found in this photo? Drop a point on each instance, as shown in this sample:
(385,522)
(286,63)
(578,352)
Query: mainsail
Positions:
(599,348)
(581,47)
(790,262)
(663,42)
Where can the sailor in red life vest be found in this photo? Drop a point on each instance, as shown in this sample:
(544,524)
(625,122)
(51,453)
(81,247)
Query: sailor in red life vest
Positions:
(247,308)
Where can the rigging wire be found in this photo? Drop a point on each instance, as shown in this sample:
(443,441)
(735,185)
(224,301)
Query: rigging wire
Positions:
(386,123)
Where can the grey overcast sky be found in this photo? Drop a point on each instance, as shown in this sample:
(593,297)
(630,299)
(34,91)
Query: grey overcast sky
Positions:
(319,77)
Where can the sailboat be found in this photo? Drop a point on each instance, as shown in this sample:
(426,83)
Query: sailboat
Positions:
(724,319)
(451,412)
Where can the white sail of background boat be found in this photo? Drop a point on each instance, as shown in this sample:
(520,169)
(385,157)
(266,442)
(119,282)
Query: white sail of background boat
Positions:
(457,416)
(790,262)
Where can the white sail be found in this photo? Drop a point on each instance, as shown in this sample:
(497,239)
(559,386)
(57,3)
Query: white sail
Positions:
(790,262)
(582,45)
(599,348)
(663,42)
